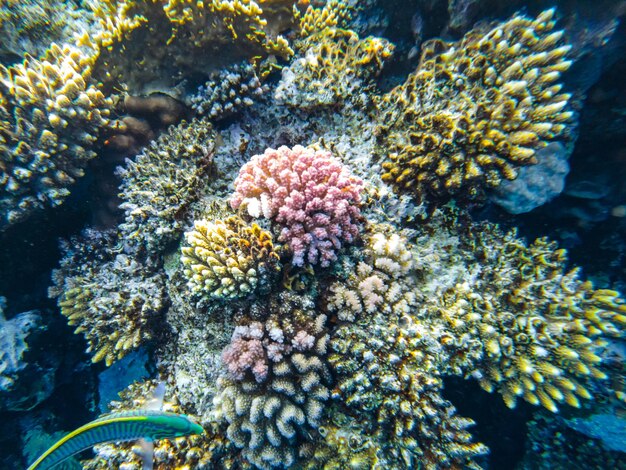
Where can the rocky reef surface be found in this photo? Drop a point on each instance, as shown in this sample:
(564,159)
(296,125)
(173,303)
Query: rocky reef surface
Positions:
(380,234)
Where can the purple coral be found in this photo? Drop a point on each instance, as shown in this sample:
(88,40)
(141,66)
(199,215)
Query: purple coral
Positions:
(307,192)
(246,352)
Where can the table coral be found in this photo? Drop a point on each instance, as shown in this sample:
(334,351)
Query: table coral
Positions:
(309,194)
(474,112)
(50,117)
(159,185)
(229,259)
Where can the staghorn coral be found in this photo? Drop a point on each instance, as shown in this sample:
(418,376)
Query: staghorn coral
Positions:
(158,186)
(227,92)
(50,118)
(309,194)
(338,67)
(112,299)
(474,112)
(539,325)
(229,259)
(270,415)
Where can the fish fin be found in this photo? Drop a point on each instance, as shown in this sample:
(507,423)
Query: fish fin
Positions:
(147,453)
(156,402)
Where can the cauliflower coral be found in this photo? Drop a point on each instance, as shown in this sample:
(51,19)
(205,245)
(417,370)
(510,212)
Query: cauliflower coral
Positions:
(309,194)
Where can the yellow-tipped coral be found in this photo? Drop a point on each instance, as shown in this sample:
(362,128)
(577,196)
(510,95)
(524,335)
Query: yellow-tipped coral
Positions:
(540,326)
(229,259)
(337,67)
(475,111)
(334,14)
(50,117)
(113,300)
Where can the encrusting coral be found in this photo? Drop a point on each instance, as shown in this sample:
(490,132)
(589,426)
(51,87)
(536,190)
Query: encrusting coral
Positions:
(229,259)
(113,300)
(274,396)
(336,68)
(50,117)
(159,185)
(309,194)
(540,326)
(474,112)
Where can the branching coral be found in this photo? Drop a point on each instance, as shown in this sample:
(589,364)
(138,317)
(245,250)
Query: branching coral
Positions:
(334,14)
(49,119)
(387,361)
(227,92)
(271,410)
(338,67)
(229,259)
(476,111)
(383,282)
(112,299)
(309,194)
(158,186)
(539,325)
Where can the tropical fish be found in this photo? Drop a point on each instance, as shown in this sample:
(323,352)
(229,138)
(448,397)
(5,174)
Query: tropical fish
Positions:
(116,427)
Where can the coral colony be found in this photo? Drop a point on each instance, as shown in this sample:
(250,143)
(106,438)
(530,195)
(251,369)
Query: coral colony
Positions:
(288,252)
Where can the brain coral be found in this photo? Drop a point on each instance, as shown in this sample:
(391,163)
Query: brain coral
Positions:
(49,120)
(309,194)
(229,259)
(475,111)
(540,327)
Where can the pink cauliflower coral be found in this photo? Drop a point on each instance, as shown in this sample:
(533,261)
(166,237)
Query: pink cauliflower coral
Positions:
(246,352)
(309,193)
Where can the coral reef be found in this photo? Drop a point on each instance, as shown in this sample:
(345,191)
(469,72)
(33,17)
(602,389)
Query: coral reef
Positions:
(309,194)
(474,112)
(338,67)
(158,186)
(114,300)
(382,283)
(272,403)
(227,92)
(333,14)
(539,325)
(49,120)
(229,259)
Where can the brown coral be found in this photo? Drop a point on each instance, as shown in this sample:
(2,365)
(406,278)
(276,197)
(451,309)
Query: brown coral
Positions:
(474,112)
